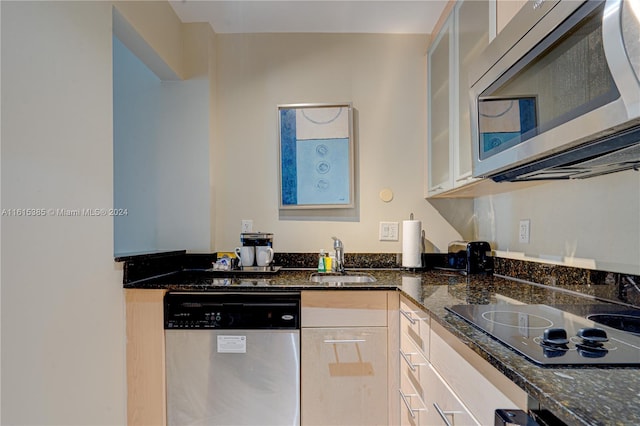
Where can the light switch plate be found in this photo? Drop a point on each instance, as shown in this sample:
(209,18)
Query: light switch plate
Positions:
(388,231)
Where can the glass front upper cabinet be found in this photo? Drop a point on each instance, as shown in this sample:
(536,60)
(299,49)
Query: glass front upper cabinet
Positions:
(464,36)
(439,65)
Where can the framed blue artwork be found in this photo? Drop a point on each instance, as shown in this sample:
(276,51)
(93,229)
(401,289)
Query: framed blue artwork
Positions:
(316,156)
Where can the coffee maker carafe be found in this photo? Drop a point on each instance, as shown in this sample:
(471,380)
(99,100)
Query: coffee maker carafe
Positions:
(256,251)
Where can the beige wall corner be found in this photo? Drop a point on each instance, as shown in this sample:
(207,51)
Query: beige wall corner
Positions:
(197,41)
(152,30)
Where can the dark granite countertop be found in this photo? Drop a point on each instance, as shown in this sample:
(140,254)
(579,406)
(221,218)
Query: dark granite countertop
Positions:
(577,396)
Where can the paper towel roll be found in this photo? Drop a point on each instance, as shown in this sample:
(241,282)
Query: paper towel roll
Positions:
(411,236)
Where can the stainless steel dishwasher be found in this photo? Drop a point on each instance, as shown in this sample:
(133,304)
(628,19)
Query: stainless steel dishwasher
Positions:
(232,358)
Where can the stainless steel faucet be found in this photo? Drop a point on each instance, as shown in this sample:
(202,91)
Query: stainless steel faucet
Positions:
(339,248)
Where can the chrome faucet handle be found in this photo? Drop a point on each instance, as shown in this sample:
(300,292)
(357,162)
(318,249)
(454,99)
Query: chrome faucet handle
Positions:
(337,243)
(339,248)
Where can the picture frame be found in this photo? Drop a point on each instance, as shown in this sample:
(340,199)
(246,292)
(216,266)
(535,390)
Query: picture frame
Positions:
(316,156)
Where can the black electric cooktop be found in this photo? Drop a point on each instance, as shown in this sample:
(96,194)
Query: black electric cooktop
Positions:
(550,336)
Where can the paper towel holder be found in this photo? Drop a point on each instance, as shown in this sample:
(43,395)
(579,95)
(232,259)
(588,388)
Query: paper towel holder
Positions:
(412,244)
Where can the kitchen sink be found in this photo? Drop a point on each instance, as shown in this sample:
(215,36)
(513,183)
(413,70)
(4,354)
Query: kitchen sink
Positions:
(351,277)
(619,321)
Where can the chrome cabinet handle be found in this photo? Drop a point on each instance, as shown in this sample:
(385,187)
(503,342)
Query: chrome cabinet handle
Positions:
(345,341)
(407,403)
(407,358)
(444,414)
(408,316)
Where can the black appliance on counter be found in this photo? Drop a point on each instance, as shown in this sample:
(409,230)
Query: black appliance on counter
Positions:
(552,336)
(535,417)
(468,257)
(505,417)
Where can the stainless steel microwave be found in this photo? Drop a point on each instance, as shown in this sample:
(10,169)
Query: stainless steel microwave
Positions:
(556,95)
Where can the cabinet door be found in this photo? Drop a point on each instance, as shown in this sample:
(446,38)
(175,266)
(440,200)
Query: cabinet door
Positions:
(344,376)
(145,357)
(439,66)
(472,23)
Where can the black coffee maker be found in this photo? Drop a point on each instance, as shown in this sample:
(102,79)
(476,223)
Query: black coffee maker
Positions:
(471,257)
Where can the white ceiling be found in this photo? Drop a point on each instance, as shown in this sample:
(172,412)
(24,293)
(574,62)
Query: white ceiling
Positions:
(317,16)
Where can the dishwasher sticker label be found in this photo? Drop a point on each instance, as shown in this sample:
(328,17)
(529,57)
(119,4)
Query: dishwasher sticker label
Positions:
(232,344)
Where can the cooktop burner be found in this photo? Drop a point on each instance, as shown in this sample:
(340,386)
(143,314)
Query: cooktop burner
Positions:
(550,336)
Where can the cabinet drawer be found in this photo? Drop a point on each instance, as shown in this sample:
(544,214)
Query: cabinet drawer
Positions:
(474,380)
(414,322)
(412,409)
(344,308)
(443,407)
(413,365)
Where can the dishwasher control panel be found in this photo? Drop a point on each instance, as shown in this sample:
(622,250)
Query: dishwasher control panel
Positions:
(187,310)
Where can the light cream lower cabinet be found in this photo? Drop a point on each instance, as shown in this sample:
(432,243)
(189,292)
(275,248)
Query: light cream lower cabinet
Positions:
(443,381)
(349,374)
(429,401)
(344,376)
(425,396)
(146,404)
(344,357)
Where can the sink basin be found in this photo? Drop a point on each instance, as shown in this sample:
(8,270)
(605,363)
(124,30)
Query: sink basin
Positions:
(620,321)
(320,277)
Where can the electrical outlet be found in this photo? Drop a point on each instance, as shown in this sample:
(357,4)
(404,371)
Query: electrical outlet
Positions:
(388,231)
(247,225)
(524,231)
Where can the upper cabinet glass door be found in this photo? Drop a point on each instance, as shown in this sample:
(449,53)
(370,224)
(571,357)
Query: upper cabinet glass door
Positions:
(473,28)
(440,64)
(463,37)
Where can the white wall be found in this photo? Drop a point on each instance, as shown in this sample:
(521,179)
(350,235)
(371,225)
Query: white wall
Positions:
(134,153)
(62,307)
(384,76)
(596,218)
(161,148)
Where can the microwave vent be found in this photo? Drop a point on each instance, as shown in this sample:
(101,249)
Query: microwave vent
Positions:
(614,153)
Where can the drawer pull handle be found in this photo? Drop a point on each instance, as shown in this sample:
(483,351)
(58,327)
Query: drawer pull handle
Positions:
(444,414)
(345,341)
(407,358)
(408,316)
(407,403)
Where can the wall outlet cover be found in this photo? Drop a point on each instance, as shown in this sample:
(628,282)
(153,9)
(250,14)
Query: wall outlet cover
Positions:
(247,225)
(524,231)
